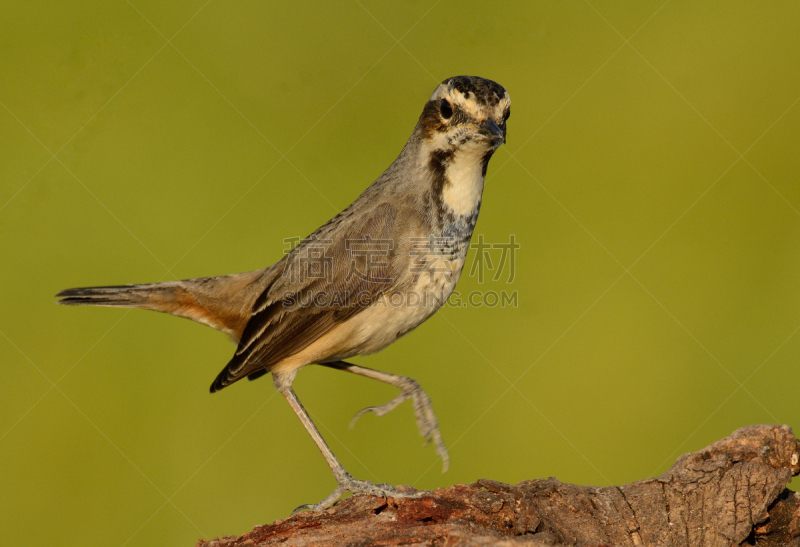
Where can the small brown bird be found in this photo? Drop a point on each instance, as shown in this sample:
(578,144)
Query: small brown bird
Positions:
(365,278)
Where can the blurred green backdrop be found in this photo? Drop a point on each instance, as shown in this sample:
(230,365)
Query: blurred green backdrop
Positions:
(650,179)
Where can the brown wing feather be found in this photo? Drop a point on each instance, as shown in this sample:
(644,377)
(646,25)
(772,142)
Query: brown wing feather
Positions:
(283,323)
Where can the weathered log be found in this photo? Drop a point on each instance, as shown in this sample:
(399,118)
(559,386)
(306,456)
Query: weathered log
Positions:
(730,493)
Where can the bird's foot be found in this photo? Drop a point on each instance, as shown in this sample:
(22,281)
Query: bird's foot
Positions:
(356,486)
(423,411)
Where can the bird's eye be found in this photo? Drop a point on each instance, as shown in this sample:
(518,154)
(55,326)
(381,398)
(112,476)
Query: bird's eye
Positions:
(507,115)
(446,109)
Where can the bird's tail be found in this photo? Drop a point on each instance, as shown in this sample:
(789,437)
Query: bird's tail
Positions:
(222,302)
(125,296)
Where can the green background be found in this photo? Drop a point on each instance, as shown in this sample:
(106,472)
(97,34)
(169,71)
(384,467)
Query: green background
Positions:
(650,178)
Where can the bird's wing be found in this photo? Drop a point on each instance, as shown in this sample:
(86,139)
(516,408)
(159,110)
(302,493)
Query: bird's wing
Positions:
(327,279)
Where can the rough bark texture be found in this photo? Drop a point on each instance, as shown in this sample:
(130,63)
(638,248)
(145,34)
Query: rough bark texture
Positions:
(730,493)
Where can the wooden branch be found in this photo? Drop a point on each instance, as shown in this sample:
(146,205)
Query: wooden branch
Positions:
(730,493)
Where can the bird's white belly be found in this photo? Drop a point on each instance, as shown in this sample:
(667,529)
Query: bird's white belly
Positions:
(395,314)
(380,324)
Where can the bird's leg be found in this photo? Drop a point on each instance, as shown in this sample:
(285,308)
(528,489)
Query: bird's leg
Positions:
(346,482)
(423,410)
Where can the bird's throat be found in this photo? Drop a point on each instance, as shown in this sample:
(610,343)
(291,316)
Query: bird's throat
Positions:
(463,183)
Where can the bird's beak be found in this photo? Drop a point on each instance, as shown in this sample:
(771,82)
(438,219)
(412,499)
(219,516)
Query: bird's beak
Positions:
(494,132)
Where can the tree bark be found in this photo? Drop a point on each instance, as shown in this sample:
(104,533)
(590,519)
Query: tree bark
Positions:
(730,493)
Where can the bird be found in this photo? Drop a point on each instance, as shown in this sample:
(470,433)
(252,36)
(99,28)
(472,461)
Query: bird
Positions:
(368,276)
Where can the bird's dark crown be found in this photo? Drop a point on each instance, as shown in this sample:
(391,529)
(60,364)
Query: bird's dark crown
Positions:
(481,90)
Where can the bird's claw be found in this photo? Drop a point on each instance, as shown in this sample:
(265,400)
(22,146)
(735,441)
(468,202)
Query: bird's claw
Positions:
(356,486)
(427,423)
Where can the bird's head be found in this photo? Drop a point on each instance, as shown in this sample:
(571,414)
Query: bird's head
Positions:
(465,113)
